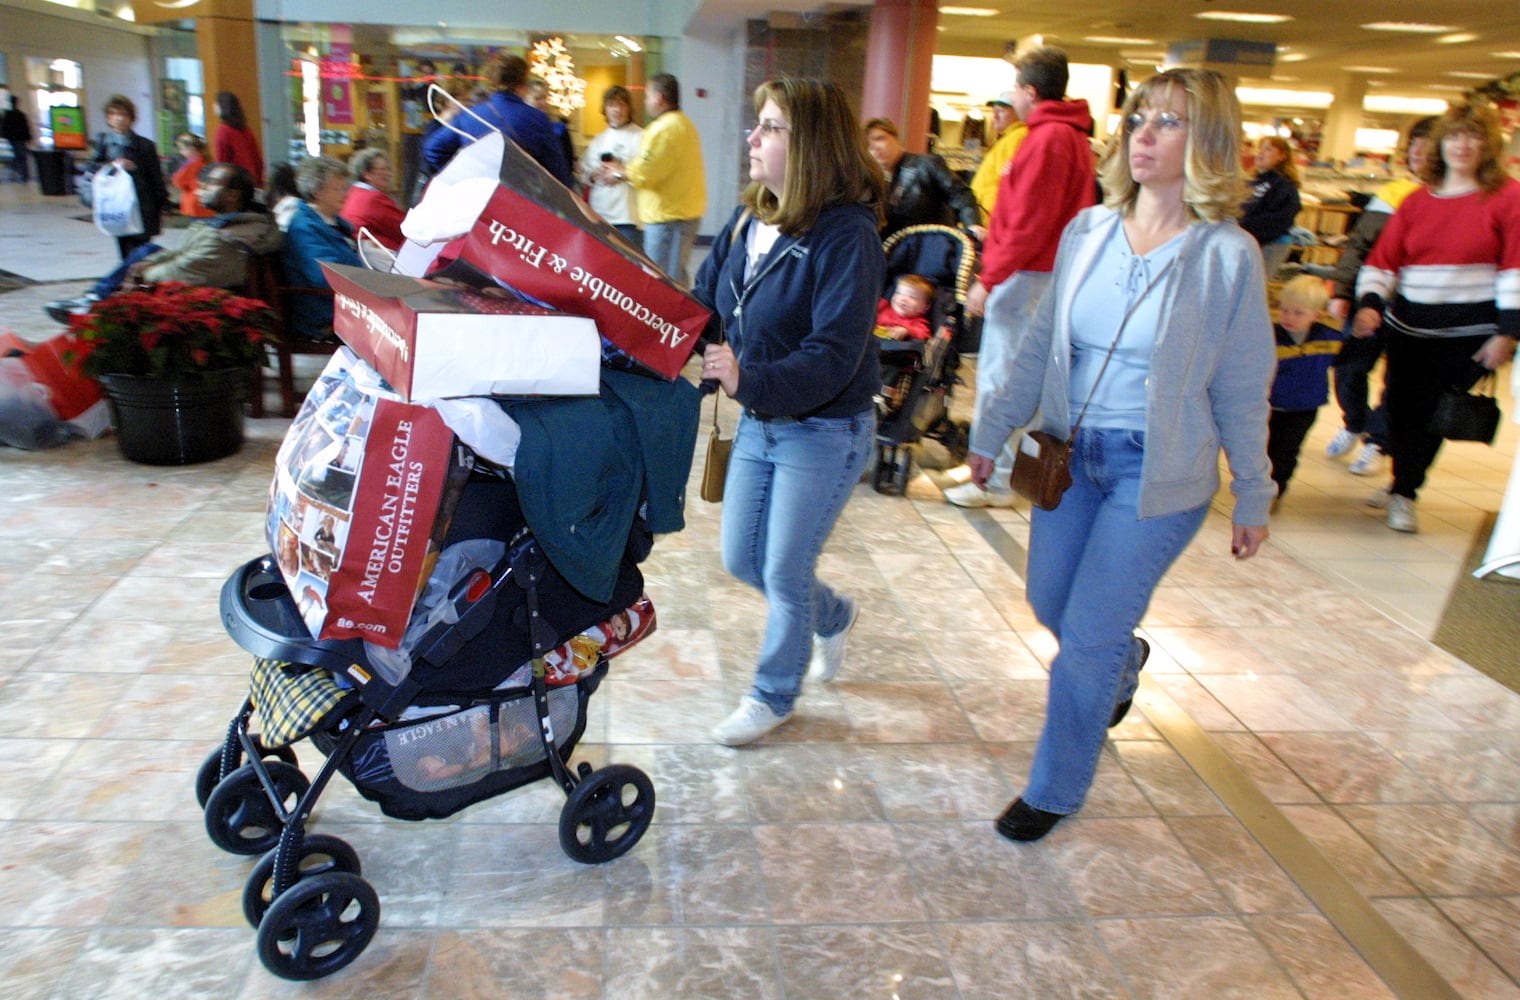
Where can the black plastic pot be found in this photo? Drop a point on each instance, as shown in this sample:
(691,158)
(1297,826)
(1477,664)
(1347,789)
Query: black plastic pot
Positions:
(178,421)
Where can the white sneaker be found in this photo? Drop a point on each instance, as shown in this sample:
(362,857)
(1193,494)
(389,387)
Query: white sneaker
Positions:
(1368,461)
(1343,442)
(1379,498)
(972,495)
(747,723)
(828,651)
(1401,514)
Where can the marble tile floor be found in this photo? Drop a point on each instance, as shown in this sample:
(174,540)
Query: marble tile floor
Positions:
(849,855)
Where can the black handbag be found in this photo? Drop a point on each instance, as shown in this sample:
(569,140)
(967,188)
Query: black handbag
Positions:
(1467,416)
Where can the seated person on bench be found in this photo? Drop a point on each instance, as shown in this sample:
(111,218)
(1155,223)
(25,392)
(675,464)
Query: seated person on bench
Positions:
(317,233)
(214,252)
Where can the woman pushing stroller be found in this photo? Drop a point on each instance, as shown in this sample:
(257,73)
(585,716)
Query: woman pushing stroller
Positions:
(803,253)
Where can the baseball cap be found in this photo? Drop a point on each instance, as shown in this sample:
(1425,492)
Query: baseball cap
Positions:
(1005,99)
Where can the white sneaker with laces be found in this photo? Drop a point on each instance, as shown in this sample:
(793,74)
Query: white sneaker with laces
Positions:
(1379,498)
(1343,442)
(972,495)
(1401,514)
(1368,461)
(747,723)
(828,651)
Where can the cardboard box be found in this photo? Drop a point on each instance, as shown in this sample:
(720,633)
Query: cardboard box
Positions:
(533,236)
(432,341)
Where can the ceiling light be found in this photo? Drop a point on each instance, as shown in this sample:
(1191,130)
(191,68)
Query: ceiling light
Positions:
(629,43)
(1293,57)
(1117,40)
(1446,86)
(1389,104)
(1413,27)
(1463,74)
(1280,97)
(969,11)
(1457,39)
(1243,18)
(1368,69)
(1512,54)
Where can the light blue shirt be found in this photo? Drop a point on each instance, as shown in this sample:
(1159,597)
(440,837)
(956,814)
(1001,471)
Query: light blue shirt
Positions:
(1117,281)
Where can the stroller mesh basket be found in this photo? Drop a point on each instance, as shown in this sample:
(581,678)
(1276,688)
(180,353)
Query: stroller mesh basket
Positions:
(434,765)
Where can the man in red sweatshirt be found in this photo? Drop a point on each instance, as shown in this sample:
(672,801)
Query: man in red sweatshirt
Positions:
(1049,180)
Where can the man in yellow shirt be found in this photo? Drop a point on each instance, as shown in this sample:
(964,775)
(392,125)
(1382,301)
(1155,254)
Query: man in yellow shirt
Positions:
(668,179)
(1010,132)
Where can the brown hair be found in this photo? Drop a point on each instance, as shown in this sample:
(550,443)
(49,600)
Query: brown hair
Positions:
(1477,119)
(918,283)
(192,140)
(826,164)
(1045,70)
(122,103)
(1289,166)
(507,72)
(1213,186)
(881,125)
(617,93)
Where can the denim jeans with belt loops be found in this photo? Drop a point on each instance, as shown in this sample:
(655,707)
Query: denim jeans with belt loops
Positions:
(1093,565)
(787,482)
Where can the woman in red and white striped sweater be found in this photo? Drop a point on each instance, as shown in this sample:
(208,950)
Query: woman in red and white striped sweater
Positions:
(1443,281)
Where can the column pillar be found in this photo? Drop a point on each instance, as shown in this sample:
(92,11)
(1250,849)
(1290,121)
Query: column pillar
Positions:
(899,64)
(226,42)
(1338,138)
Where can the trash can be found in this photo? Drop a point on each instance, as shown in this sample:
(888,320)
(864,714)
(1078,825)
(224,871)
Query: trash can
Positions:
(54,171)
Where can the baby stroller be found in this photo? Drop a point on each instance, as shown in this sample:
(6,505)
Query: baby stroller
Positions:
(918,376)
(469,720)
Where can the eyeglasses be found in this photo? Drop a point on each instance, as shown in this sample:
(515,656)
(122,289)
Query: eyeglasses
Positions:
(1165,122)
(764,129)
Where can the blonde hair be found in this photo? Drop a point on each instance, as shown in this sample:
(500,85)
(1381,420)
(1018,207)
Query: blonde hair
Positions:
(1480,120)
(1213,186)
(826,164)
(1305,292)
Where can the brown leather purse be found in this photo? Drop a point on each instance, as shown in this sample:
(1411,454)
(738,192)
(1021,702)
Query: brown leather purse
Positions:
(715,471)
(1042,463)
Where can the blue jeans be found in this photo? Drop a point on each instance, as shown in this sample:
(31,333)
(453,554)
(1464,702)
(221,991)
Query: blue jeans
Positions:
(111,283)
(787,482)
(1093,565)
(669,245)
(631,233)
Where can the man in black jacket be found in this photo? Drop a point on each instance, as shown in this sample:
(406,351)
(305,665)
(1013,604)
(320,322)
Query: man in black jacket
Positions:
(921,188)
(16,130)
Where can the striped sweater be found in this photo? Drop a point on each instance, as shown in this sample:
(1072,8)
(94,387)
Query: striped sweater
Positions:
(1448,267)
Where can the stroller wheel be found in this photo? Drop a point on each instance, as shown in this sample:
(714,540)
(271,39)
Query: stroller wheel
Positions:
(320,854)
(606,814)
(894,467)
(211,770)
(240,818)
(318,926)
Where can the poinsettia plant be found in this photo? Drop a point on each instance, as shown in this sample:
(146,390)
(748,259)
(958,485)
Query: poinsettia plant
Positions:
(173,329)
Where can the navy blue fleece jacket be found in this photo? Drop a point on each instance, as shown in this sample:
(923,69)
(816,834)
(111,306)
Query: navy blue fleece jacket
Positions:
(801,331)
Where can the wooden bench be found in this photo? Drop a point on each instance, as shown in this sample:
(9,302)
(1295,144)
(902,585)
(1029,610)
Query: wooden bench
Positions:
(266,283)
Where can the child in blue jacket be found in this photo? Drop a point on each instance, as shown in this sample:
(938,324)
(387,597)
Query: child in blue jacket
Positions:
(1306,349)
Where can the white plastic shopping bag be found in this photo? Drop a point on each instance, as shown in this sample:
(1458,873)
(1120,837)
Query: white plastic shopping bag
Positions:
(117,212)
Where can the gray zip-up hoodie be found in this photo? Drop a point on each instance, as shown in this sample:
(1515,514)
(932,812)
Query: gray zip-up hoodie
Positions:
(1211,369)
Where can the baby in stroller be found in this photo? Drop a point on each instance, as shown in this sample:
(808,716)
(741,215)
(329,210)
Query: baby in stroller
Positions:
(921,326)
(902,322)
